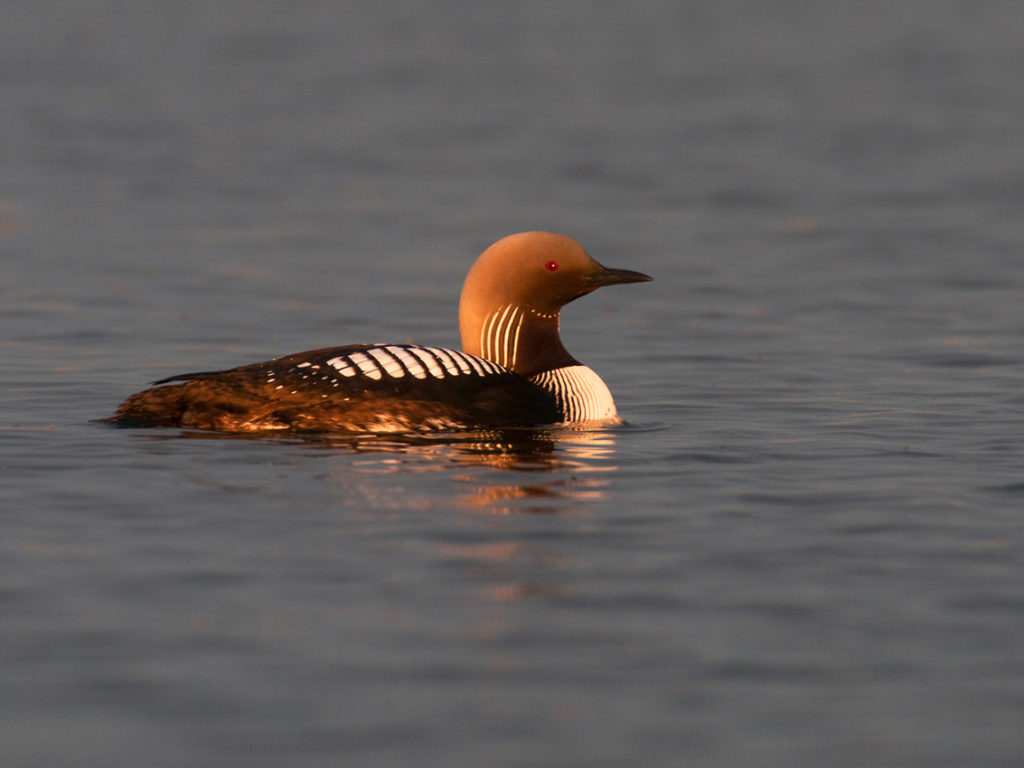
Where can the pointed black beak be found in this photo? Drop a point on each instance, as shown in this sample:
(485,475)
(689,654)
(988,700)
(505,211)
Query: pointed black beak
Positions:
(606,276)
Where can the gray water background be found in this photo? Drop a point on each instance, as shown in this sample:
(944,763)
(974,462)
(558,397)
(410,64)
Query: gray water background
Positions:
(803,549)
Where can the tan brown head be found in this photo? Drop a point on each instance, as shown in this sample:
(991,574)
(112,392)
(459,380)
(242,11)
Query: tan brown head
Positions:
(510,301)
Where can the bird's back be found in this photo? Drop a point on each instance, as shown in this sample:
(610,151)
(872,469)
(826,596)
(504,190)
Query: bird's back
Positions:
(358,388)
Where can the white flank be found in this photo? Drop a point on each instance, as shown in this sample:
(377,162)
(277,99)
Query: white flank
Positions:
(580,393)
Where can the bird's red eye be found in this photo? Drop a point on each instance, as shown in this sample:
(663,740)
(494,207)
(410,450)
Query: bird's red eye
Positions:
(551,266)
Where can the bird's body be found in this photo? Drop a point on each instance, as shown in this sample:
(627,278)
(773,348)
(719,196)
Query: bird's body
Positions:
(513,370)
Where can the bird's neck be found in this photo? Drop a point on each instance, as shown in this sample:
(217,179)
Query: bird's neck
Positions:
(520,339)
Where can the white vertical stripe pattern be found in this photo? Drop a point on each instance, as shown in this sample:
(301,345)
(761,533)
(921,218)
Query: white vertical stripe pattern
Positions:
(499,335)
(395,361)
(428,360)
(477,364)
(460,360)
(366,365)
(392,365)
(343,366)
(410,363)
(579,392)
(446,360)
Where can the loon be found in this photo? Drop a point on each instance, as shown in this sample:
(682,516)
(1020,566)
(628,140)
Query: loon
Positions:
(512,371)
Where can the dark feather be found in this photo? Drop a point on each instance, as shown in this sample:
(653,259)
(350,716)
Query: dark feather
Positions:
(305,391)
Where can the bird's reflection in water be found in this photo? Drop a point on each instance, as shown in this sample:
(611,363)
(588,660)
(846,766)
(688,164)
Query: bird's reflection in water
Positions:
(531,472)
(510,471)
(540,472)
(517,449)
(562,465)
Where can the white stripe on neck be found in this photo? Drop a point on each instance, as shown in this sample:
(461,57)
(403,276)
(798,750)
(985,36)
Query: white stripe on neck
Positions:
(499,335)
(579,392)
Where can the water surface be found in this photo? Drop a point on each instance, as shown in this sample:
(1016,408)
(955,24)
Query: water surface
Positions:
(803,548)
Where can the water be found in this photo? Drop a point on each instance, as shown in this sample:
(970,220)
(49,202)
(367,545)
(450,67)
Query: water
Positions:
(805,546)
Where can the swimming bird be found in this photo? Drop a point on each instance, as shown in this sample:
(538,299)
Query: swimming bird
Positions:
(512,370)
